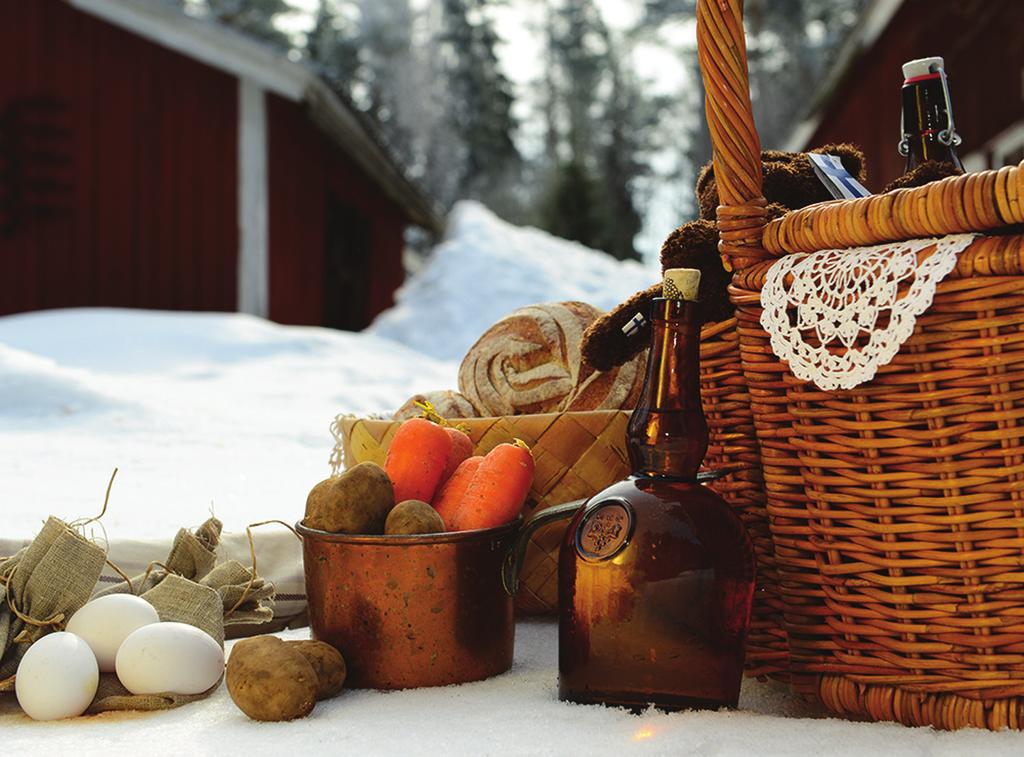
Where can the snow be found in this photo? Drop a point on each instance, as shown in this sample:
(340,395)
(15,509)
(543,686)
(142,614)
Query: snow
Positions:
(486,268)
(515,713)
(199,411)
(230,413)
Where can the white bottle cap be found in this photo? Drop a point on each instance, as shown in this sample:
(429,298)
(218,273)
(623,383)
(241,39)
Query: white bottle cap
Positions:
(922,67)
(681,284)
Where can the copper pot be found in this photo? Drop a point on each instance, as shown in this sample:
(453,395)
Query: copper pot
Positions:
(410,611)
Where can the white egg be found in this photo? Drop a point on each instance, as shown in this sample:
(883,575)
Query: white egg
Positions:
(57,677)
(169,658)
(106,622)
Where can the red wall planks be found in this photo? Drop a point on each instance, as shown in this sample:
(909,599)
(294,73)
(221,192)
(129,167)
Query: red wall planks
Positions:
(982,42)
(303,168)
(148,155)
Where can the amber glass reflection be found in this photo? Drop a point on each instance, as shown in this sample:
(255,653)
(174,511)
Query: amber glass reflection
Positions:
(664,619)
(668,435)
(924,118)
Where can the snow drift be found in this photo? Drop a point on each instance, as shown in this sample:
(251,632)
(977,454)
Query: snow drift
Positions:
(485,269)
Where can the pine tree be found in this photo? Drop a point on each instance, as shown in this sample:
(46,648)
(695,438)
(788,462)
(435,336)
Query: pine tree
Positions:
(793,43)
(629,118)
(332,45)
(252,17)
(570,206)
(481,99)
(393,82)
(579,40)
(598,132)
(791,46)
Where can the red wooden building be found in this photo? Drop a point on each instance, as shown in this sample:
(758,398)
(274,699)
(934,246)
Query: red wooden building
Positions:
(153,160)
(982,42)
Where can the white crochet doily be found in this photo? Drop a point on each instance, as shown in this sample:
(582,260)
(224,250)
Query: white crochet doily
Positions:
(837,296)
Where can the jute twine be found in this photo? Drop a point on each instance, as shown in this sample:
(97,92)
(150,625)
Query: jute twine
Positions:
(188,586)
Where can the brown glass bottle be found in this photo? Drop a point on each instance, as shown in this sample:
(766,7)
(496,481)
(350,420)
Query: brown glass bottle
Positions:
(928,131)
(656,573)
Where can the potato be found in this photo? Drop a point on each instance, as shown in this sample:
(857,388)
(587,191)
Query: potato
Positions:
(356,502)
(269,680)
(326,661)
(413,517)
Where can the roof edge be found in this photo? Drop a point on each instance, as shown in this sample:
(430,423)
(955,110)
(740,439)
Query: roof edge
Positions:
(338,121)
(244,58)
(214,45)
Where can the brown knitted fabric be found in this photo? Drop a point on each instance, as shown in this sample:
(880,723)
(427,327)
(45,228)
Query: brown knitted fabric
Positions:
(695,245)
(789,183)
(604,344)
(692,245)
(788,178)
(924,173)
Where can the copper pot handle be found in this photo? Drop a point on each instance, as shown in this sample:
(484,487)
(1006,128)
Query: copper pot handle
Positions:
(514,557)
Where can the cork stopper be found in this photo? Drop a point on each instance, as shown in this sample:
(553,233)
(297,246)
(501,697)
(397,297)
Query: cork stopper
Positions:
(681,284)
(922,67)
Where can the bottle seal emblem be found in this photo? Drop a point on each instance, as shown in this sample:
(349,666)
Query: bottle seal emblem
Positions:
(605,530)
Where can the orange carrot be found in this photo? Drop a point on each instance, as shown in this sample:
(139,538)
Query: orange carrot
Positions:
(497,492)
(454,490)
(416,459)
(462,448)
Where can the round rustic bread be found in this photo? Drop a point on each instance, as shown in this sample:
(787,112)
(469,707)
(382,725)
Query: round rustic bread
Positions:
(530,362)
(616,389)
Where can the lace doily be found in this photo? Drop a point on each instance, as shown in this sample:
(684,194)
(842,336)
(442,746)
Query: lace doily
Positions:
(839,297)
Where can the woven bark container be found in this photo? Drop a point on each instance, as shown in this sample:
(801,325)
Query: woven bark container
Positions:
(896,507)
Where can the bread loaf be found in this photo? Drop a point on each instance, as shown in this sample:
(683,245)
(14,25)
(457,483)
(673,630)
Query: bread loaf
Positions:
(615,389)
(529,361)
(447,404)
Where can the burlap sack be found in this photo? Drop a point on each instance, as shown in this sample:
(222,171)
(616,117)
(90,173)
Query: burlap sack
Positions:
(111,696)
(42,586)
(226,595)
(180,600)
(192,556)
(246,600)
(187,588)
(176,599)
(195,591)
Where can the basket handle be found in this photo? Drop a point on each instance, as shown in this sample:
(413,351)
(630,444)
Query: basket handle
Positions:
(722,52)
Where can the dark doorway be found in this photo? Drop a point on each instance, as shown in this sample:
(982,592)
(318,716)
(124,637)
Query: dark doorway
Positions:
(346,268)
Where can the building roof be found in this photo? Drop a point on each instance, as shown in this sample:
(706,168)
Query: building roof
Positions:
(245,58)
(876,17)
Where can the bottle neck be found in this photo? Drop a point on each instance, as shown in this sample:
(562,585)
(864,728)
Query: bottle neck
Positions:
(667,433)
(928,132)
(673,364)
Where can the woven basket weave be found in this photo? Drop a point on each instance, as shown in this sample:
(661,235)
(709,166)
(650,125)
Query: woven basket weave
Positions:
(726,401)
(896,508)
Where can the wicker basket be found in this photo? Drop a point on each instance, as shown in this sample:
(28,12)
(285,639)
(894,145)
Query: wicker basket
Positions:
(727,406)
(897,508)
